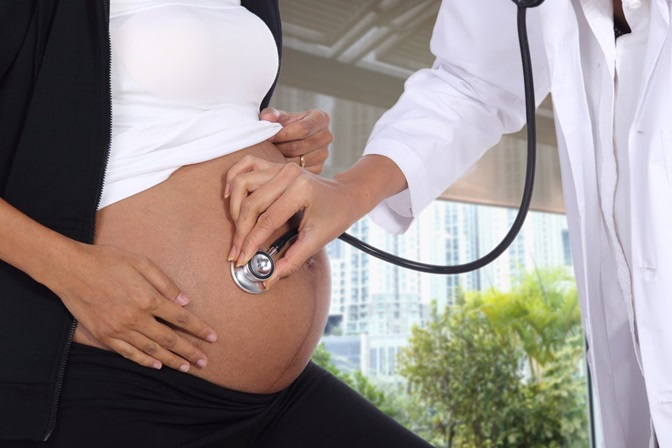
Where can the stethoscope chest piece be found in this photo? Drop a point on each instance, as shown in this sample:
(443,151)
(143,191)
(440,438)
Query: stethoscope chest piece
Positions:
(250,278)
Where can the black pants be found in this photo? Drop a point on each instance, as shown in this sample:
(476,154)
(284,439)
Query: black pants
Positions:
(108,401)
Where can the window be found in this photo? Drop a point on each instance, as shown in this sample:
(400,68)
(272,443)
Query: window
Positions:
(448,232)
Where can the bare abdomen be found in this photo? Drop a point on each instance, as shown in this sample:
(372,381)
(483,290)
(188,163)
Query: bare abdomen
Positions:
(183,225)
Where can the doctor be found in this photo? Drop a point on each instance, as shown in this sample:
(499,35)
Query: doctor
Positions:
(608,64)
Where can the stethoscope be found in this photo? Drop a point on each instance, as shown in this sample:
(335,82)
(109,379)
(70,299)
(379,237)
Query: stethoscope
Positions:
(250,278)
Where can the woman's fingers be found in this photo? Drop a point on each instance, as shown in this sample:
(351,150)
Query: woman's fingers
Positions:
(147,340)
(170,347)
(185,320)
(304,134)
(132,353)
(128,304)
(171,310)
(146,351)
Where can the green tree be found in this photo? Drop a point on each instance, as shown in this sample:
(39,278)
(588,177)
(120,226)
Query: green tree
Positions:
(466,375)
(465,367)
(542,311)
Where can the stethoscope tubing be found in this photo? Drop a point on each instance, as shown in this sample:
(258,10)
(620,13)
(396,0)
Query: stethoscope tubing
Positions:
(247,282)
(530,107)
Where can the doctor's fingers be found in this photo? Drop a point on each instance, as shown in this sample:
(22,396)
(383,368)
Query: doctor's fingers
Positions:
(245,165)
(244,185)
(275,199)
(307,245)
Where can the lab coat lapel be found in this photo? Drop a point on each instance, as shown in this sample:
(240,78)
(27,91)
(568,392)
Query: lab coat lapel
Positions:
(658,32)
(599,15)
(562,41)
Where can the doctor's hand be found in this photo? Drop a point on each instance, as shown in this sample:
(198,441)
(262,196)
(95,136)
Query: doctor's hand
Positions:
(304,138)
(265,195)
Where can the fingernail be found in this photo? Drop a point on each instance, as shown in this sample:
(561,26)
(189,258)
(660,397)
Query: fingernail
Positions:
(241,260)
(182,299)
(157,365)
(201,363)
(232,254)
(184,368)
(227,190)
(212,337)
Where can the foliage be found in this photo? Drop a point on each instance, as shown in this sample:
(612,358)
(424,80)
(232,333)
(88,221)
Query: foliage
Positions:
(360,383)
(501,369)
(542,312)
(495,369)
(467,378)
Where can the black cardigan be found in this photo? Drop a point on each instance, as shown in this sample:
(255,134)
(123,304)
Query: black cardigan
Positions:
(55,118)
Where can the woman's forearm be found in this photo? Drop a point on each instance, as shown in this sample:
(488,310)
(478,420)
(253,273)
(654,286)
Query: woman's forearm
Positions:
(28,245)
(122,299)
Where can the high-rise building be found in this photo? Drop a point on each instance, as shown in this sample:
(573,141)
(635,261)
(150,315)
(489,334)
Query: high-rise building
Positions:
(384,301)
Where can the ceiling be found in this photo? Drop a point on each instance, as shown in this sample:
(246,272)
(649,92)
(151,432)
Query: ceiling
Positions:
(389,36)
(363,50)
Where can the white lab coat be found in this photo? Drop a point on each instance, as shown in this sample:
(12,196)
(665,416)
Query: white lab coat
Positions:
(451,114)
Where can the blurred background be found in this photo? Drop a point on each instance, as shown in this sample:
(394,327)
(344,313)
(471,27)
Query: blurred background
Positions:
(485,359)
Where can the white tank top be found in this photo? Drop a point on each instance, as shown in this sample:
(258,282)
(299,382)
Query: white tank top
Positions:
(188,78)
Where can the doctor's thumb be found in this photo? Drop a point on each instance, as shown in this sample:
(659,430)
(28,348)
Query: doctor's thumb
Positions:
(289,264)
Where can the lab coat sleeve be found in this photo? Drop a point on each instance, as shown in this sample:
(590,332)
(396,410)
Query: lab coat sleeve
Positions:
(451,114)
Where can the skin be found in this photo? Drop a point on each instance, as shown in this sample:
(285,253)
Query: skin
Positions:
(183,226)
(619,16)
(263,195)
(279,191)
(304,134)
(122,299)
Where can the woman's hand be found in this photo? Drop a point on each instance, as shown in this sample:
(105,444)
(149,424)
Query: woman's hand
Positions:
(305,136)
(265,195)
(121,299)
(126,302)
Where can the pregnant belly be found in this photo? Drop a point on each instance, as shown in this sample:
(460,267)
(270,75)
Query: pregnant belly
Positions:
(183,225)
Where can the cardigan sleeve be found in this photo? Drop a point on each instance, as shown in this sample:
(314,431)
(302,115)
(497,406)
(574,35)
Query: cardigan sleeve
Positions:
(24,32)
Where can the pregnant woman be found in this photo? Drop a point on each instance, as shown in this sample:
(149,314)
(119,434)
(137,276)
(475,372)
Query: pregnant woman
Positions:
(164,349)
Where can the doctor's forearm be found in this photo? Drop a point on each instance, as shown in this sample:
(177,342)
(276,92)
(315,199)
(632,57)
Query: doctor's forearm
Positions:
(372,179)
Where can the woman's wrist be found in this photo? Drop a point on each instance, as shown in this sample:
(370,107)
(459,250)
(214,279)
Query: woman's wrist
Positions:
(29,246)
(58,253)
